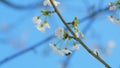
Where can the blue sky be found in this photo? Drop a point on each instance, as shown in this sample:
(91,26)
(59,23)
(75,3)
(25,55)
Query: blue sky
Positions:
(20,34)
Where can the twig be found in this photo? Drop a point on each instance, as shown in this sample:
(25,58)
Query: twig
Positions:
(26,50)
(77,39)
(93,14)
(20,7)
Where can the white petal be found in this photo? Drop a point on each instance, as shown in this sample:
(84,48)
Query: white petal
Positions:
(110,3)
(111,18)
(81,34)
(59,32)
(47,25)
(36,20)
(76,47)
(112,7)
(56,50)
(40,28)
(53,47)
(56,3)
(60,52)
(66,51)
(46,3)
(117,21)
(77,34)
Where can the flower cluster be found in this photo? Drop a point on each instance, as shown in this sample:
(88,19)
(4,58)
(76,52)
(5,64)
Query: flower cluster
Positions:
(115,17)
(114,20)
(78,33)
(112,6)
(42,25)
(64,51)
(74,25)
(61,34)
(39,25)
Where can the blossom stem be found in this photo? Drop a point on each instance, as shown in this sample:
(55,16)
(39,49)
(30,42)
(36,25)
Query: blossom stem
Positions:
(51,11)
(69,23)
(77,39)
(59,42)
(71,37)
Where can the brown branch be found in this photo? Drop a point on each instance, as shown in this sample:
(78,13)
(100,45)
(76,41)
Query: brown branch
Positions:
(77,39)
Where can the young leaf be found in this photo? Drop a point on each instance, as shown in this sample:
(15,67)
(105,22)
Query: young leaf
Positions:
(45,13)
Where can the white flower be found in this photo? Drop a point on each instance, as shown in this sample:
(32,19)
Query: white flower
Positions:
(117,21)
(75,46)
(77,34)
(66,51)
(60,52)
(56,3)
(46,25)
(47,3)
(59,32)
(53,46)
(36,20)
(111,6)
(113,20)
(56,50)
(110,3)
(40,27)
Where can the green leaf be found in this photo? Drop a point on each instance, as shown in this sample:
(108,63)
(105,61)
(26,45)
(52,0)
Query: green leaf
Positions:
(69,38)
(45,13)
(118,2)
(74,44)
(81,34)
(65,35)
(75,22)
(54,45)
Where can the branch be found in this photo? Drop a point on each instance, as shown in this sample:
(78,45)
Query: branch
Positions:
(25,51)
(94,14)
(77,39)
(89,24)
(20,7)
(40,43)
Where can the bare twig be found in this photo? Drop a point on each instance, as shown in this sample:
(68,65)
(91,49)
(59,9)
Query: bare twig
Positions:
(94,14)
(25,51)
(20,7)
(77,39)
